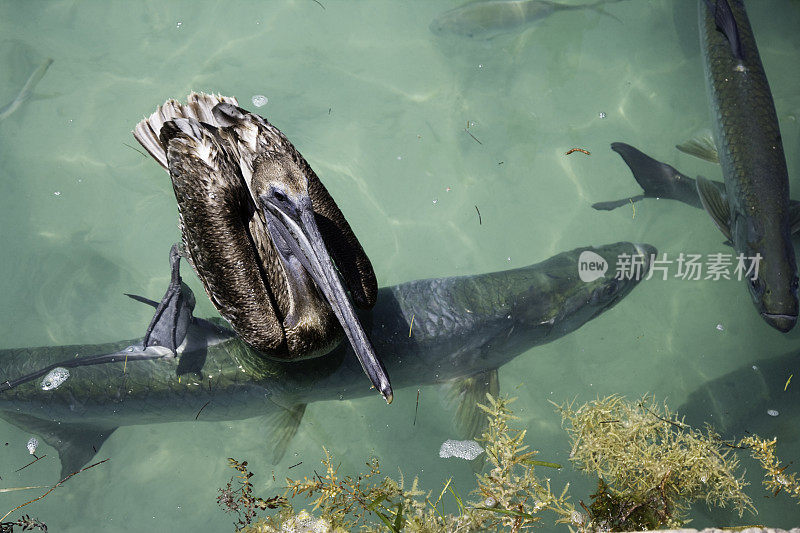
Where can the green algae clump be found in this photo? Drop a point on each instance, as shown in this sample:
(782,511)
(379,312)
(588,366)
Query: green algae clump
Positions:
(651,467)
(650,464)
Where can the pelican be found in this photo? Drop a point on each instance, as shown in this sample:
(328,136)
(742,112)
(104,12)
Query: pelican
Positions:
(266,239)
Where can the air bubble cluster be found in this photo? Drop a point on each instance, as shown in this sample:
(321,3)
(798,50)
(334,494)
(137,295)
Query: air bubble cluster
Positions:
(32,445)
(463,449)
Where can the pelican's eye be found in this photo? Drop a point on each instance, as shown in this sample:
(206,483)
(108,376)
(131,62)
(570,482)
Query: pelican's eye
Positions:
(279,196)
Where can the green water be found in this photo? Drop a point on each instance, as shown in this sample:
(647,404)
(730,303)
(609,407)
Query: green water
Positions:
(378,105)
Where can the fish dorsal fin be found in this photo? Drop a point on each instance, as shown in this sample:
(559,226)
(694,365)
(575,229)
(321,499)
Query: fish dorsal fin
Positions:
(701,146)
(174,314)
(716,206)
(470,420)
(76,443)
(281,427)
(726,23)
(794,217)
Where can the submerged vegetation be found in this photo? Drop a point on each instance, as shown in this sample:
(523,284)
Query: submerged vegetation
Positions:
(651,467)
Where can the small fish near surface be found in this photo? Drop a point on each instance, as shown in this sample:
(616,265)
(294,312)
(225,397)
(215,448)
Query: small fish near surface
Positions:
(464,329)
(26,91)
(485,19)
(754,213)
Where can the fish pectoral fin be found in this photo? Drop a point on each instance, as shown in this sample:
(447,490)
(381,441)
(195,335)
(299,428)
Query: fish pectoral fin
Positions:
(76,443)
(726,23)
(701,146)
(716,206)
(794,217)
(281,427)
(470,420)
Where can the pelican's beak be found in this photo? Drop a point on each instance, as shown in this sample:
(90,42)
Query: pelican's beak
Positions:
(291,225)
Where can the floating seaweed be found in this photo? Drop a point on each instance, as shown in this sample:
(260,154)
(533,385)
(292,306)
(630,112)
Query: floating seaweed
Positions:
(509,496)
(25,522)
(651,467)
(241,500)
(650,464)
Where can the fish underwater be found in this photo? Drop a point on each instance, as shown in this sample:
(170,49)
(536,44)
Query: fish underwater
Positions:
(754,213)
(760,397)
(749,398)
(489,18)
(463,329)
(664,182)
(26,91)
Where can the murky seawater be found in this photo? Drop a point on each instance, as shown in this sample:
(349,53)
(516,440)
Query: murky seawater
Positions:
(379,107)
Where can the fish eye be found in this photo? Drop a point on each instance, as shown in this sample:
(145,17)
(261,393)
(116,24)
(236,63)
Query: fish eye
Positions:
(607,291)
(610,289)
(794,284)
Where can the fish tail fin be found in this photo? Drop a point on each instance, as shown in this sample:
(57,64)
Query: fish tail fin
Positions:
(76,444)
(657,179)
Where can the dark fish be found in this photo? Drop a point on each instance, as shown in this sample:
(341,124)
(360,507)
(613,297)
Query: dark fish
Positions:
(761,397)
(754,213)
(662,181)
(488,18)
(464,328)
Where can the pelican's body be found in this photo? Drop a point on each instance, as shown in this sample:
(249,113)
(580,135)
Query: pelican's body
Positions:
(262,232)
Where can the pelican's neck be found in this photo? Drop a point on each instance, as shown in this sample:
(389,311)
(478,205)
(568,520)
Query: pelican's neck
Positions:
(309,325)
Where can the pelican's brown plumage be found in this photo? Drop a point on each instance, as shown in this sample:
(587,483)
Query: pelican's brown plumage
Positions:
(262,232)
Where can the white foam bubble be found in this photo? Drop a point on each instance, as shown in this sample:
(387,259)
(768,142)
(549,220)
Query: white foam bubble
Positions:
(463,449)
(32,445)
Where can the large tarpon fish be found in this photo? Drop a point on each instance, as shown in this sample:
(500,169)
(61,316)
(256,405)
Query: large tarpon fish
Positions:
(487,18)
(754,213)
(461,329)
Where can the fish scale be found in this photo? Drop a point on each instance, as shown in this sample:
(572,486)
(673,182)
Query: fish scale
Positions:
(746,124)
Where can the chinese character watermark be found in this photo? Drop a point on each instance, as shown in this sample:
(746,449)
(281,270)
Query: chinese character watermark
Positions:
(716,266)
(713,267)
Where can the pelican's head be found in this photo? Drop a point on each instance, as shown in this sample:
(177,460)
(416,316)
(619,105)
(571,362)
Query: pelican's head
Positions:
(281,187)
